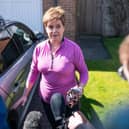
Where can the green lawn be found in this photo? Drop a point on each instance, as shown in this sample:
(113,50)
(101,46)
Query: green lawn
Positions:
(105,89)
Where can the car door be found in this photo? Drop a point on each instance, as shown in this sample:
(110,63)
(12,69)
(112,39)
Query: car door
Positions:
(17,42)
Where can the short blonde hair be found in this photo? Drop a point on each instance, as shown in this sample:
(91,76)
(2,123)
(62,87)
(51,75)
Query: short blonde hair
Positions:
(124,50)
(54,13)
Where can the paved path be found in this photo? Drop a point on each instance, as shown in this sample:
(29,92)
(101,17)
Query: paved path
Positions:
(93,47)
(36,105)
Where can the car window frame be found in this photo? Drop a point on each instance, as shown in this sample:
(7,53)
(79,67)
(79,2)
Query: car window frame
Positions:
(24,28)
(21,26)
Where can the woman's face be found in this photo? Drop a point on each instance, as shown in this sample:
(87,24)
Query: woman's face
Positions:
(55,30)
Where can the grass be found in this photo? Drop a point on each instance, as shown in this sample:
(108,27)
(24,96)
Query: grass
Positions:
(105,90)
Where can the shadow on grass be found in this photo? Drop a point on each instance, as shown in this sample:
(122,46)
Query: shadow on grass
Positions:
(90,113)
(108,65)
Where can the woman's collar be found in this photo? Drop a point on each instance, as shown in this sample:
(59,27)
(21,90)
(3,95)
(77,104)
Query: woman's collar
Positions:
(60,43)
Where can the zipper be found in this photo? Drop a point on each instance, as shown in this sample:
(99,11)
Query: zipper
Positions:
(52,60)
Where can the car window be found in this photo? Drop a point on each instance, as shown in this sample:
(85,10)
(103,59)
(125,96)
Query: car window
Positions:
(14,41)
(5,38)
(24,38)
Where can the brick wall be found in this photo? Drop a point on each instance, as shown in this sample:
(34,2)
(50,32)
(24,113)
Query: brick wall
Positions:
(70,8)
(107,25)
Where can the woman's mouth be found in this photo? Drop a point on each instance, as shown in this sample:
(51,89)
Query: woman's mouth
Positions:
(54,36)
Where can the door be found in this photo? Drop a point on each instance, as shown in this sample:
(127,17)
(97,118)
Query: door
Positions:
(89,17)
(28,12)
(16,48)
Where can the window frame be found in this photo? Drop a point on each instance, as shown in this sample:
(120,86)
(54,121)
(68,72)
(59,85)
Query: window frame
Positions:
(23,27)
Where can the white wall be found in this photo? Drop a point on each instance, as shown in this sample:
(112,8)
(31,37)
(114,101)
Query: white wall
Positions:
(26,11)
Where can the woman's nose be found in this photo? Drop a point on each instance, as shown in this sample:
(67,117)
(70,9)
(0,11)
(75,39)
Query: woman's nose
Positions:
(54,29)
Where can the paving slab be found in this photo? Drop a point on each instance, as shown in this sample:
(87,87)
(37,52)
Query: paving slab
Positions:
(93,47)
(36,105)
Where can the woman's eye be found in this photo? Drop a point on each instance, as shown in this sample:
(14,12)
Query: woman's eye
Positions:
(50,27)
(58,26)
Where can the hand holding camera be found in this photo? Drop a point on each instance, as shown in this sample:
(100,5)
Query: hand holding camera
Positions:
(73,95)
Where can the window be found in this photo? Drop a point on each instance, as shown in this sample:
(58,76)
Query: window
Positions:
(14,41)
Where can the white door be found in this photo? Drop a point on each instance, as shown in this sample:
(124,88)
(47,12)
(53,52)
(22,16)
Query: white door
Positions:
(26,11)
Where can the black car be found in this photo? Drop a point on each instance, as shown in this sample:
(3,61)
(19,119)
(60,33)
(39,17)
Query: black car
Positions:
(17,42)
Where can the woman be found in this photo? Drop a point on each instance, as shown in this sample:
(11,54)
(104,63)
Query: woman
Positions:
(56,59)
(124,58)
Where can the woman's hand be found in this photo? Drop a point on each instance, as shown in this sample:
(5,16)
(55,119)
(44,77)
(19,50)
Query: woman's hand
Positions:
(74,95)
(78,90)
(21,101)
(76,119)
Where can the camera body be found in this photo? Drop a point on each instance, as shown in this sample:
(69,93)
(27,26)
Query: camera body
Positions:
(73,96)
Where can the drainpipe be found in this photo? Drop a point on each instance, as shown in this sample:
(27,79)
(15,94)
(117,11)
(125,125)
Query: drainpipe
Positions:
(55,2)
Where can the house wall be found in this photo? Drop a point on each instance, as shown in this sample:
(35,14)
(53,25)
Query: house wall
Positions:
(70,8)
(115,17)
(109,27)
(28,12)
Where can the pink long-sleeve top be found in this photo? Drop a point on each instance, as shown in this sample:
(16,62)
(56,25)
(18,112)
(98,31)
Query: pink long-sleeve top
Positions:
(58,72)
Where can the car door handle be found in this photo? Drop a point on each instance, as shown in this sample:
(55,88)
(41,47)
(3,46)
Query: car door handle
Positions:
(16,87)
